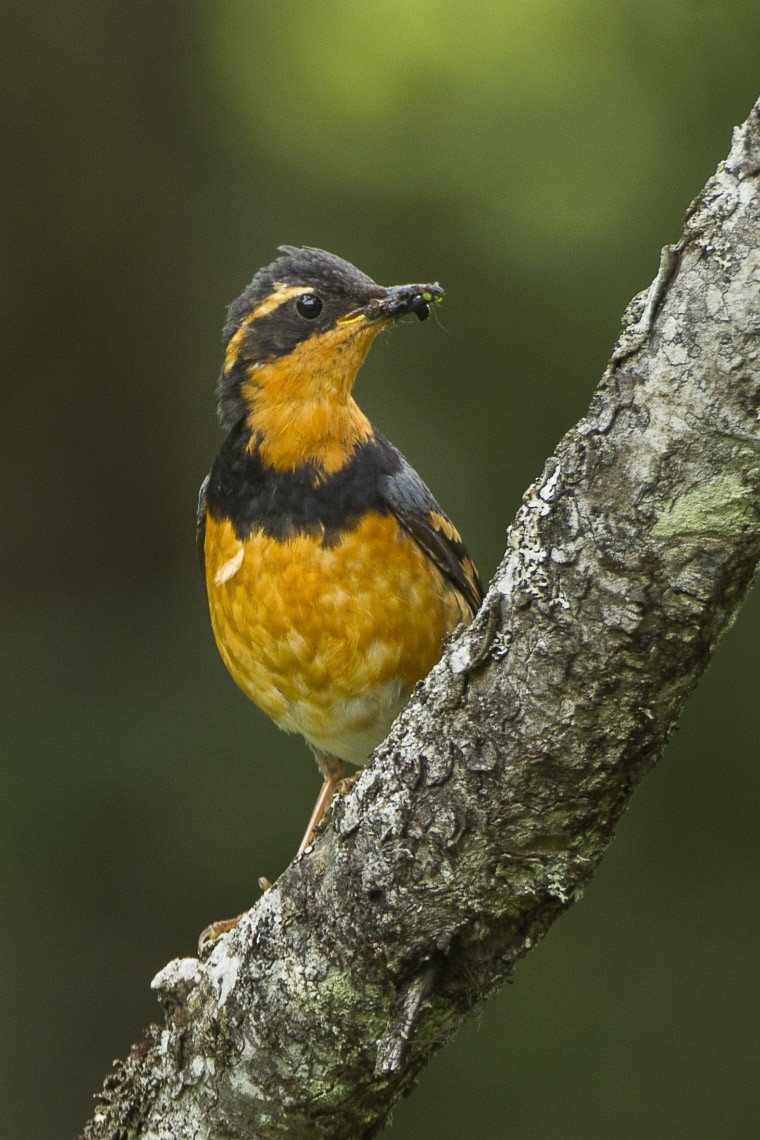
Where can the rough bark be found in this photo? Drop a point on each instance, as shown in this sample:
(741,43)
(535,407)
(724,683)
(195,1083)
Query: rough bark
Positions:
(489,806)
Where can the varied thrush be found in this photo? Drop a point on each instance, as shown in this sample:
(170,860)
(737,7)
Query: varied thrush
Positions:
(333,576)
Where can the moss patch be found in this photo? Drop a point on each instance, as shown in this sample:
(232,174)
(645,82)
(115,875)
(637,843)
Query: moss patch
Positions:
(723,505)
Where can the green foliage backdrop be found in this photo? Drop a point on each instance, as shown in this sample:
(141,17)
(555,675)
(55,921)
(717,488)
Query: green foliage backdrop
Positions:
(532,156)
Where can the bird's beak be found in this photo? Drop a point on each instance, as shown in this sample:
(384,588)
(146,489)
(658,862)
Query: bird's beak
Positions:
(397,301)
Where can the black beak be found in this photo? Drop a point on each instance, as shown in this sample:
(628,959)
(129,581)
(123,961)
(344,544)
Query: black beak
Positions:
(401,299)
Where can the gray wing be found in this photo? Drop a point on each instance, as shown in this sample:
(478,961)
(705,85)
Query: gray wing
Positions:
(418,512)
(200,522)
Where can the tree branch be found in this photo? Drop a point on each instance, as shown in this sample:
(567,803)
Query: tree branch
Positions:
(489,806)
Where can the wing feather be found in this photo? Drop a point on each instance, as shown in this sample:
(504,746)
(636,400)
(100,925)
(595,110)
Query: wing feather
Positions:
(200,522)
(418,512)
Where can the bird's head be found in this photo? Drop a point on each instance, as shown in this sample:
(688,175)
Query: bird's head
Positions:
(295,339)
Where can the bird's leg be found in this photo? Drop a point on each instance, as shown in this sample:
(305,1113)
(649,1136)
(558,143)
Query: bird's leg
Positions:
(333,771)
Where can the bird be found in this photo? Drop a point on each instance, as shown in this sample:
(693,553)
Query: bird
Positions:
(333,576)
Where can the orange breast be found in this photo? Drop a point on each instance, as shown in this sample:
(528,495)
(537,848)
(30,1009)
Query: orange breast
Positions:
(329,641)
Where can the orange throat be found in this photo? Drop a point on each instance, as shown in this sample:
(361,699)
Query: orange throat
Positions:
(300,408)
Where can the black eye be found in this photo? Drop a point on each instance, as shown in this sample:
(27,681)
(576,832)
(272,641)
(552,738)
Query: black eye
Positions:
(309,306)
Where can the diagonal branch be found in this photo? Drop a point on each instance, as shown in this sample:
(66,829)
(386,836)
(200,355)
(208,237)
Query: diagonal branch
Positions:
(489,806)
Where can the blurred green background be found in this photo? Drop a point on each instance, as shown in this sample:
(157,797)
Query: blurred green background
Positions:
(533,156)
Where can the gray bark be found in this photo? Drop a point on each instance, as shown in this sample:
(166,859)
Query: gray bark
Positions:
(492,801)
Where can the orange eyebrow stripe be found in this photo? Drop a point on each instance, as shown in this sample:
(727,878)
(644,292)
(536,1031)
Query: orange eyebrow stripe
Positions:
(282,293)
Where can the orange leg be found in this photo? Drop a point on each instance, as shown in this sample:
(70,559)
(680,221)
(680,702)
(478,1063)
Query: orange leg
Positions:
(333,770)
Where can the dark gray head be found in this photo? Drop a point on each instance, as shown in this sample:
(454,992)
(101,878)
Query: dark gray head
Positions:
(340,285)
(304,294)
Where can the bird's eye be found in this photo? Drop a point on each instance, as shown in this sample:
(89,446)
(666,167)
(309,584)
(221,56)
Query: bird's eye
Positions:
(309,306)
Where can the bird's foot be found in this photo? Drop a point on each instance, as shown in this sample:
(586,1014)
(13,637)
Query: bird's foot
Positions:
(223,925)
(213,931)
